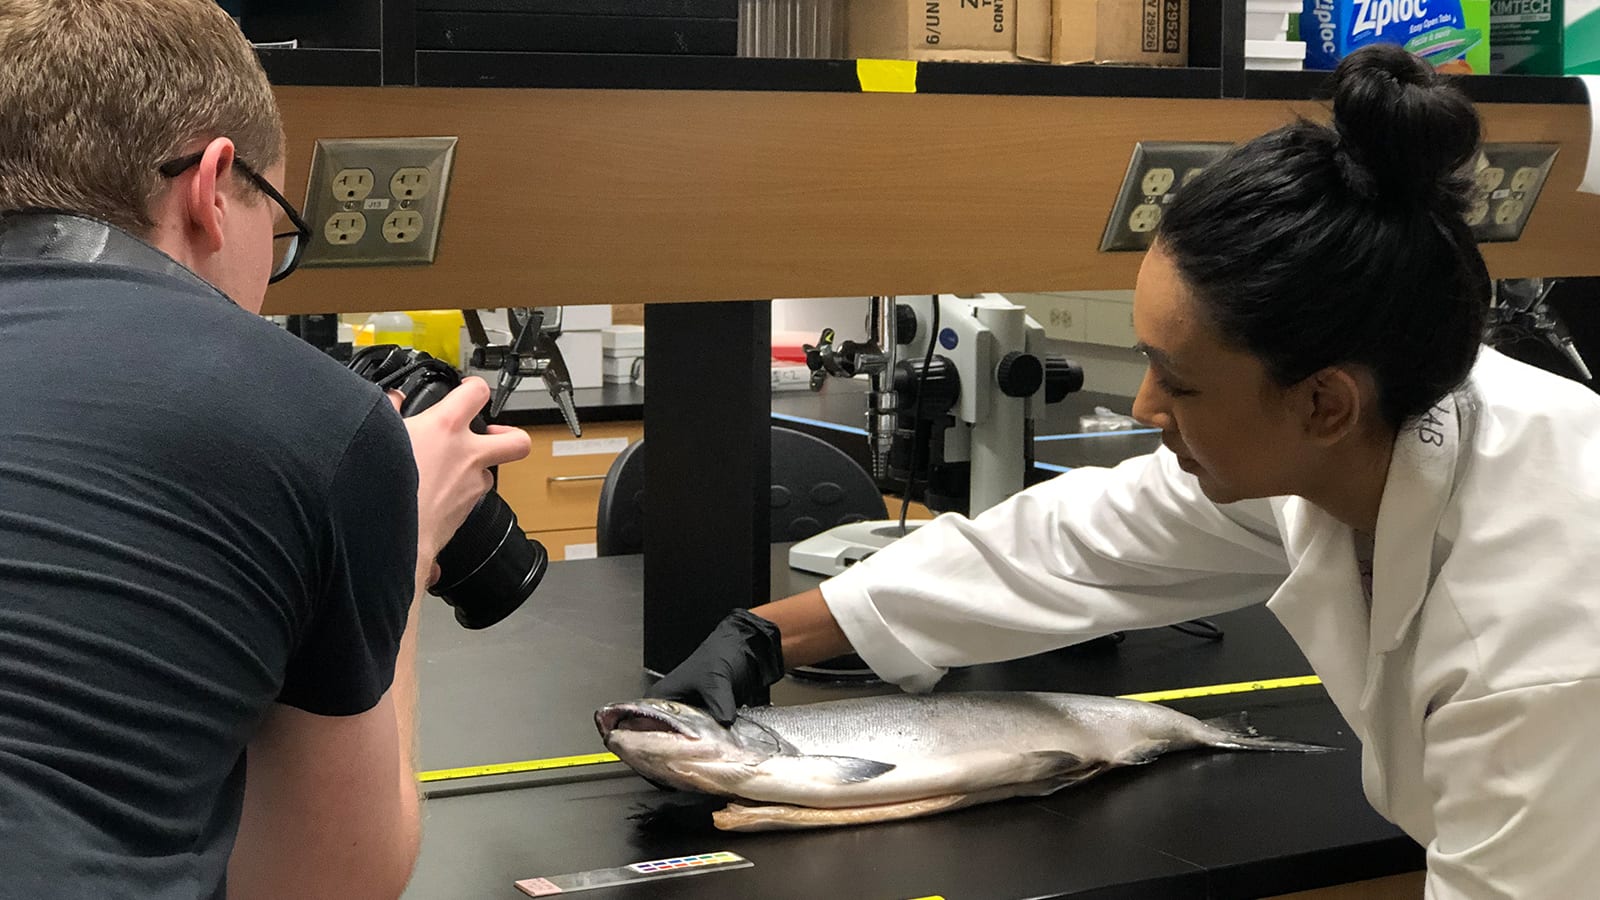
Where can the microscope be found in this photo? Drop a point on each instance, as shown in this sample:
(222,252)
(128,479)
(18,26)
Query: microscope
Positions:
(956,383)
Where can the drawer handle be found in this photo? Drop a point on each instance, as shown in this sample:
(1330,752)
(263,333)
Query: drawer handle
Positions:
(560,479)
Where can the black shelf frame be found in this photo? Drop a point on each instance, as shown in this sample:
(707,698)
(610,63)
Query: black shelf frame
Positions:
(317,67)
(1216,54)
(1315,85)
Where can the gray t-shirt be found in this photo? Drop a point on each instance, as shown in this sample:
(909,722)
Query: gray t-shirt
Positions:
(200,515)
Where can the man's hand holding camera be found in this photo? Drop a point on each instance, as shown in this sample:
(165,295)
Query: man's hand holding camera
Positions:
(453,462)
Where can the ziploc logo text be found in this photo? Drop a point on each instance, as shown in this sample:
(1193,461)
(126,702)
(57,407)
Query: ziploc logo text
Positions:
(1435,30)
(1373,16)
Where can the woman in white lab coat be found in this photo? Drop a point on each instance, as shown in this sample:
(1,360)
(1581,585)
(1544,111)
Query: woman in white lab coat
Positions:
(1420,513)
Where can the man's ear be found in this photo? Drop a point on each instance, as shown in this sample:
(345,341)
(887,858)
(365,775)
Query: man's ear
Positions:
(205,204)
(1333,404)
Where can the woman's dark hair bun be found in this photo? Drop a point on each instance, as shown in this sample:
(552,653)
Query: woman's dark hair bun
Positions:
(1404,132)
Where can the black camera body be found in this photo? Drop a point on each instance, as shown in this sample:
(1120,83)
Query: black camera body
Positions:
(488,567)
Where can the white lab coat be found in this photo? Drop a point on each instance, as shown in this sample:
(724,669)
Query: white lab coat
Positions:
(1473,681)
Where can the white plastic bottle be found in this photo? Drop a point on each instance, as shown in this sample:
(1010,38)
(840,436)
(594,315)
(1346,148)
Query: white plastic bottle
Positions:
(392,328)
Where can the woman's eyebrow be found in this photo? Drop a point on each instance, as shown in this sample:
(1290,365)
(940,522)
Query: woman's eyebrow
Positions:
(1156,355)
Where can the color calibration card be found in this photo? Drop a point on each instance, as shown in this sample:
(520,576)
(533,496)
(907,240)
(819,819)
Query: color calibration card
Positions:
(645,871)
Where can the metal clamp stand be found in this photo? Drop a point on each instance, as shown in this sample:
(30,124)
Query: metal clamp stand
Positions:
(533,352)
(1519,309)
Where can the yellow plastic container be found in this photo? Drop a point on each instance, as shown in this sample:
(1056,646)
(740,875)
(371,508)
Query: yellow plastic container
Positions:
(438,333)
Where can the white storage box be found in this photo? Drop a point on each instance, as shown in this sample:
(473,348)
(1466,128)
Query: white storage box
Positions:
(790,376)
(1279,55)
(1266,26)
(1268,20)
(585,318)
(581,350)
(618,369)
(622,340)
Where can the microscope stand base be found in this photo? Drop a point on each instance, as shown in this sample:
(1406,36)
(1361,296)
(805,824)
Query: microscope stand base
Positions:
(841,547)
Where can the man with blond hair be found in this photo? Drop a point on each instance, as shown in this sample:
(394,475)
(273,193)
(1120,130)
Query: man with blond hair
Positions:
(212,537)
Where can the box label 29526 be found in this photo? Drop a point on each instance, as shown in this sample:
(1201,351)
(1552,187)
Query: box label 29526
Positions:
(1163,26)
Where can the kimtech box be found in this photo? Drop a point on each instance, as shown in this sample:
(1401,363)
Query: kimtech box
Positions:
(1452,35)
(1525,37)
(950,30)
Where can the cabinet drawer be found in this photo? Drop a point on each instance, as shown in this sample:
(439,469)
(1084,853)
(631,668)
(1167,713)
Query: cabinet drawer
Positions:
(572,543)
(558,486)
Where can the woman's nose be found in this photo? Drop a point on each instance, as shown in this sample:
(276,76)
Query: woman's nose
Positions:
(1149,405)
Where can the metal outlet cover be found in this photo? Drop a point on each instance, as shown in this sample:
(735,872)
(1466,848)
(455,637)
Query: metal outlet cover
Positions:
(1508,180)
(1155,173)
(397,185)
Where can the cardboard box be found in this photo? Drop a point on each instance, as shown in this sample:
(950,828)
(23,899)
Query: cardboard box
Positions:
(1136,32)
(950,30)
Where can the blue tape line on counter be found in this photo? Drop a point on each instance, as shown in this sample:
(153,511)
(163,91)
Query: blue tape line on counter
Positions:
(831,426)
(1095,434)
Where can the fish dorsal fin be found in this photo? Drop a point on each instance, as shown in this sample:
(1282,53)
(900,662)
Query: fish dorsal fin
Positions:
(841,769)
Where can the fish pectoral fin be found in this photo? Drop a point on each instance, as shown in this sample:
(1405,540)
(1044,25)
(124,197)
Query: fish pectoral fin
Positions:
(1142,752)
(819,769)
(1054,763)
(846,769)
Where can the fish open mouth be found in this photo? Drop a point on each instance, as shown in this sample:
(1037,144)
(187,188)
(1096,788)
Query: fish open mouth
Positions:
(633,718)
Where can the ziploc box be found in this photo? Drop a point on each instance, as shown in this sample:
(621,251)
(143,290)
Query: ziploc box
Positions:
(1452,35)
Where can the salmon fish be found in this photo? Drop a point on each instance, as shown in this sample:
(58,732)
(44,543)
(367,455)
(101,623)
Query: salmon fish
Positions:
(900,756)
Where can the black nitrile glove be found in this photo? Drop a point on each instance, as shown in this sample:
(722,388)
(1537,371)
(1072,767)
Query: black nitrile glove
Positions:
(732,667)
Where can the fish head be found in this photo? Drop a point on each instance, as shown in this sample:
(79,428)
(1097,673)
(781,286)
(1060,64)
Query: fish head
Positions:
(671,743)
(665,725)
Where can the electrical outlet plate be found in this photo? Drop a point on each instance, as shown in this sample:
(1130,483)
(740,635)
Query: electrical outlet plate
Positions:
(376,201)
(1508,180)
(1155,173)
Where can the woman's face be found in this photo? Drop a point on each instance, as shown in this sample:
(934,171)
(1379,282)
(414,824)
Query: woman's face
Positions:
(1219,411)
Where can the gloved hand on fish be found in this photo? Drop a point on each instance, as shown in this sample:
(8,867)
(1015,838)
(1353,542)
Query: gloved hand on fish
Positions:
(879,759)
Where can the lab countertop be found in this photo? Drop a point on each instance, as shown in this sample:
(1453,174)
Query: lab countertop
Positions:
(1197,824)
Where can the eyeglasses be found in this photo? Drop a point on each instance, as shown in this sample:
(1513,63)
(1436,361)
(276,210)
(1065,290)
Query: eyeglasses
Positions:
(286,246)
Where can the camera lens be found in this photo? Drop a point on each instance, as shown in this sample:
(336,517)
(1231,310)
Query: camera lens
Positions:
(489,567)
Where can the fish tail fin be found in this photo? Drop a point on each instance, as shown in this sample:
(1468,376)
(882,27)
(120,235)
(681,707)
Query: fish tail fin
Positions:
(1236,733)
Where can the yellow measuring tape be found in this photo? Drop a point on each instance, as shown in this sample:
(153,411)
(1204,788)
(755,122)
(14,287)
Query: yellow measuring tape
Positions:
(1212,690)
(592,759)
